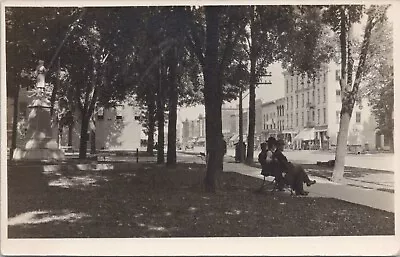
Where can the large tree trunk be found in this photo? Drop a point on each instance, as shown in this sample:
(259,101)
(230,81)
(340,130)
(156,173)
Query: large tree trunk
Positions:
(172,109)
(345,115)
(341,147)
(241,150)
(92,141)
(70,131)
(160,117)
(213,100)
(84,137)
(151,123)
(252,95)
(15,122)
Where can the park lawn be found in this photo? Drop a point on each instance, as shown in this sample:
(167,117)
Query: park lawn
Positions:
(150,200)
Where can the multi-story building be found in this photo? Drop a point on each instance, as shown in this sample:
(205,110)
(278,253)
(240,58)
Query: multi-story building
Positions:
(313,111)
(280,110)
(269,120)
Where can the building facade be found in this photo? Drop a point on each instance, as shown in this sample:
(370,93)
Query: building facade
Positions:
(114,128)
(313,112)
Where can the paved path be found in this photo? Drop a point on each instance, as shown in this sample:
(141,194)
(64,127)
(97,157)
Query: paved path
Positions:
(324,188)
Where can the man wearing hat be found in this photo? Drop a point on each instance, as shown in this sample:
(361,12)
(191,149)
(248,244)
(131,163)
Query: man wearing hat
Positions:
(295,174)
(268,162)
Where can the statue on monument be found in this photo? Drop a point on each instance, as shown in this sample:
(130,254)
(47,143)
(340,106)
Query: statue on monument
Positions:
(41,144)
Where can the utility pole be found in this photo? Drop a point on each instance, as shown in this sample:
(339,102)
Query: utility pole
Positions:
(241,97)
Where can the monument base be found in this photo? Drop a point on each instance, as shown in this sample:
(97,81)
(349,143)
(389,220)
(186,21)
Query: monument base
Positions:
(38,154)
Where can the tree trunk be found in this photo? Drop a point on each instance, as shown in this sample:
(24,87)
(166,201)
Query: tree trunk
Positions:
(15,122)
(252,95)
(92,141)
(70,131)
(160,117)
(241,150)
(173,107)
(341,147)
(84,137)
(213,100)
(151,124)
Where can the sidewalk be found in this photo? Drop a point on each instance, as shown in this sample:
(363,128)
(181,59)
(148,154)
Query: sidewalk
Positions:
(324,188)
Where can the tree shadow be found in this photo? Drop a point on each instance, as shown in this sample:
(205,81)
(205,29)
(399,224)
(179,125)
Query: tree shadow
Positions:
(149,200)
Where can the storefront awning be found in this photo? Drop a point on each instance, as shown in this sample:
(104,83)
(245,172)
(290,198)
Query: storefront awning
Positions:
(305,135)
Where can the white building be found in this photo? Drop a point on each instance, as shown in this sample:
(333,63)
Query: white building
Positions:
(115,128)
(313,111)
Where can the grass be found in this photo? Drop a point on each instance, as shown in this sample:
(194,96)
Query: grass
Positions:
(150,200)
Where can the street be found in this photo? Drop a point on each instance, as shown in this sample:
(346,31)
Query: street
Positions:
(381,161)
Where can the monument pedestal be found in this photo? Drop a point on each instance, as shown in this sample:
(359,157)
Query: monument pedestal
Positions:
(41,144)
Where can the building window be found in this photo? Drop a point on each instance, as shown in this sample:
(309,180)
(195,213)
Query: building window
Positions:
(291,120)
(291,84)
(297,101)
(324,94)
(283,111)
(313,97)
(319,97)
(287,103)
(302,99)
(318,78)
(297,119)
(302,119)
(308,116)
(318,120)
(291,101)
(324,115)
(337,75)
(338,99)
(267,116)
(308,97)
(297,82)
(358,117)
(313,115)
(324,76)
(337,117)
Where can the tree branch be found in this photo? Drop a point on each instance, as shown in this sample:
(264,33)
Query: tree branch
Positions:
(196,48)
(363,55)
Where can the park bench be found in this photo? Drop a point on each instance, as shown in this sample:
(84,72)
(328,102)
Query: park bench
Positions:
(275,188)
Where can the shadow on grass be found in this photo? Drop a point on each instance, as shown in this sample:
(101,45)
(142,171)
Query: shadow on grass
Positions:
(150,200)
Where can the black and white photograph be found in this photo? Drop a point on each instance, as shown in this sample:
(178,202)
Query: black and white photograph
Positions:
(198,128)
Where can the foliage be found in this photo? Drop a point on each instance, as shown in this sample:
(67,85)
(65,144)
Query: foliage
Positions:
(378,85)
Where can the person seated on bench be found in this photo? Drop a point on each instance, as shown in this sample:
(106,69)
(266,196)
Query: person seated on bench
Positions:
(295,174)
(268,163)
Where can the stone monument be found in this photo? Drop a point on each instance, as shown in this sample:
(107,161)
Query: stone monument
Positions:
(41,144)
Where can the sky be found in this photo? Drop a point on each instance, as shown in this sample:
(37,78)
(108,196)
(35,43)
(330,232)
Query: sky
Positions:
(264,92)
